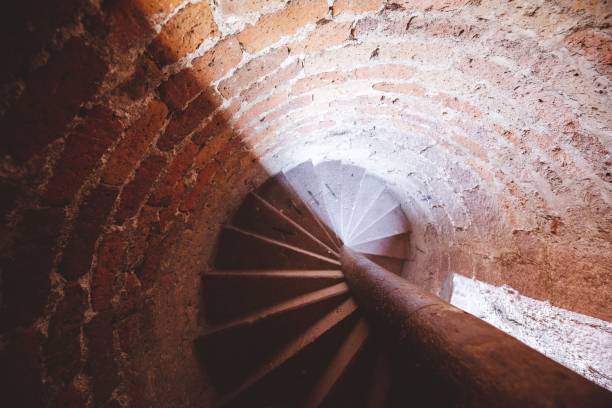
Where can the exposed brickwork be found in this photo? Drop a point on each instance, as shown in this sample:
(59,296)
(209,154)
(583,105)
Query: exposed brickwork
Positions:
(217,61)
(270,28)
(185,122)
(91,220)
(83,150)
(120,164)
(328,34)
(135,191)
(101,365)
(134,144)
(254,69)
(63,345)
(124,26)
(180,89)
(356,6)
(183,33)
(169,185)
(27,133)
(233,7)
(111,262)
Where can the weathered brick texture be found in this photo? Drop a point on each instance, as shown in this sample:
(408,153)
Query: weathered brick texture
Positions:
(185,31)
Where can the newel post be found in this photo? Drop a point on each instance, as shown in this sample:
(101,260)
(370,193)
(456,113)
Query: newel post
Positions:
(474,363)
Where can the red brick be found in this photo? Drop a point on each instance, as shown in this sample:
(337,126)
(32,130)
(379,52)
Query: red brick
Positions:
(594,45)
(274,81)
(168,215)
(179,89)
(356,6)
(92,216)
(82,154)
(324,36)
(62,350)
(21,370)
(33,29)
(53,96)
(254,69)
(401,88)
(260,108)
(213,146)
(308,129)
(166,188)
(111,263)
(317,81)
(294,104)
(217,61)
(473,146)
(69,396)
(135,192)
(202,183)
(183,33)
(232,146)
(442,5)
(592,150)
(145,77)
(241,8)
(101,365)
(385,71)
(154,7)
(149,270)
(134,144)
(146,225)
(457,105)
(447,28)
(217,125)
(183,123)
(25,280)
(270,28)
(130,297)
(125,24)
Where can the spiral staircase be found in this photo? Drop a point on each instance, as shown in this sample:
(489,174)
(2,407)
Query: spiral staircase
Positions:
(282,328)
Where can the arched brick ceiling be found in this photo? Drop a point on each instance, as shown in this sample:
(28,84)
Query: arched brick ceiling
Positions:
(134,128)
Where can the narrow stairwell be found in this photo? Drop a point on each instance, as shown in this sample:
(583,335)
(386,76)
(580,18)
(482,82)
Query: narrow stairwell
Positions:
(282,327)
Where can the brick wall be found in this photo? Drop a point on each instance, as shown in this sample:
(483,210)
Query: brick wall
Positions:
(129,125)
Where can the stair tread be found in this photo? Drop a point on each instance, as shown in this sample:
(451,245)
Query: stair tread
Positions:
(258,252)
(283,329)
(369,189)
(292,348)
(330,177)
(258,216)
(278,192)
(308,187)
(309,240)
(338,365)
(228,295)
(393,223)
(385,203)
(351,180)
(276,274)
(395,246)
(289,305)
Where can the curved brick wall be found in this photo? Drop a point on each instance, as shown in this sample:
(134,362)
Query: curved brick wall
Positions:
(132,129)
